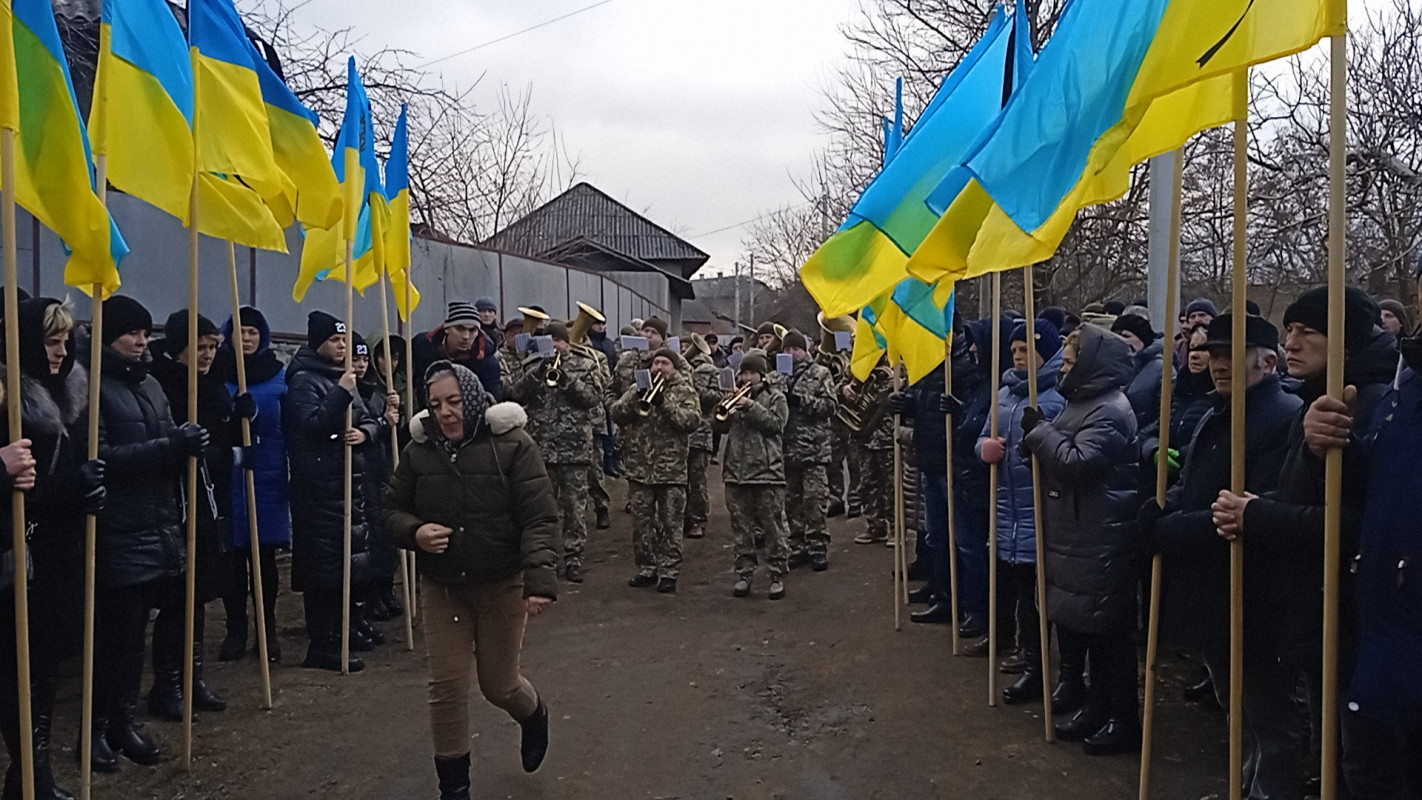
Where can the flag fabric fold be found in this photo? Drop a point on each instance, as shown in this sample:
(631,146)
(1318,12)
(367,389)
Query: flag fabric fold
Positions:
(397,239)
(869,254)
(54,174)
(1119,82)
(310,193)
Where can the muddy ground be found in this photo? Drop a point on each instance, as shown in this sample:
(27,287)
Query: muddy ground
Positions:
(697,696)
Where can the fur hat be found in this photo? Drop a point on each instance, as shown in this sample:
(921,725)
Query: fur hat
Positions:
(1137,325)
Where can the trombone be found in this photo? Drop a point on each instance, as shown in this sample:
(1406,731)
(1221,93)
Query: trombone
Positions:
(644,403)
(727,407)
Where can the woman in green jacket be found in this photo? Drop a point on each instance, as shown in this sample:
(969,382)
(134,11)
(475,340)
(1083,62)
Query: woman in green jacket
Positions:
(472,499)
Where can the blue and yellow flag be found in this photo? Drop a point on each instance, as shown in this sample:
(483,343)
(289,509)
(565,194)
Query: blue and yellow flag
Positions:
(365,211)
(869,254)
(141,117)
(1143,76)
(54,174)
(397,238)
(870,343)
(310,193)
(231,130)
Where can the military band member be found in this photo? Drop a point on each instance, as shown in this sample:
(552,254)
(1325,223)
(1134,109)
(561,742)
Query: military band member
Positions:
(810,397)
(656,426)
(876,485)
(754,471)
(557,393)
(706,379)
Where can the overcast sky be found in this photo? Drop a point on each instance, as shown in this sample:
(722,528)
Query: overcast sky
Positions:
(696,113)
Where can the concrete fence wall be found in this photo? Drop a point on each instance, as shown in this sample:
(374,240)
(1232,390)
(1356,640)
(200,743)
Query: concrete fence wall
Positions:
(156,274)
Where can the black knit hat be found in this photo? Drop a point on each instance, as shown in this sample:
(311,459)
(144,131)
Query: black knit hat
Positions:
(558,331)
(657,324)
(122,315)
(1201,304)
(361,347)
(175,330)
(321,326)
(794,339)
(1136,324)
(755,362)
(461,312)
(1360,314)
(664,352)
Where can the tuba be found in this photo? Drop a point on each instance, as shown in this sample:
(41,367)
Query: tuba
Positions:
(829,356)
(532,318)
(862,414)
(587,317)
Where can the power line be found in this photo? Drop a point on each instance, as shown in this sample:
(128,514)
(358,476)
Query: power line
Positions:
(756,218)
(505,38)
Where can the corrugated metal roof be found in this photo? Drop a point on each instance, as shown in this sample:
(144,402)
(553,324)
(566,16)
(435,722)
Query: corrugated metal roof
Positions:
(584,211)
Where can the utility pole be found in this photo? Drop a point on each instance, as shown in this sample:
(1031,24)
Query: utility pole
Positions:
(752,288)
(738,298)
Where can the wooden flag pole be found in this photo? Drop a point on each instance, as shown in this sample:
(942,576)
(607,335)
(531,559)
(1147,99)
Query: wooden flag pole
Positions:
(408,557)
(395,442)
(952,525)
(1029,293)
(900,579)
(994,429)
(190,600)
(250,483)
(1333,464)
(350,456)
(91,521)
(17,497)
(1162,472)
(1237,442)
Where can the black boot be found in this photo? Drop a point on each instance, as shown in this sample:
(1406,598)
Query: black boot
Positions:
(1085,722)
(1116,737)
(204,698)
(1068,695)
(127,740)
(1028,686)
(938,613)
(323,626)
(390,601)
(165,700)
(42,701)
(922,595)
(534,745)
(453,777)
(234,644)
(102,758)
(360,619)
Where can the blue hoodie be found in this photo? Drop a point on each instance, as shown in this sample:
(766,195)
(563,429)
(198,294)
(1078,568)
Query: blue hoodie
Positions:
(266,382)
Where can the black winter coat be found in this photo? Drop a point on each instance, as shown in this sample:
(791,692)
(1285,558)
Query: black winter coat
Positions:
(1089,479)
(1283,529)
(213,503)
(141,532)
(1195,592)
(970,475)
(314,413)
(483,361)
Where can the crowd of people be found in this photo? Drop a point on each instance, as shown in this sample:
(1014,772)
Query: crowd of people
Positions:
(517,426)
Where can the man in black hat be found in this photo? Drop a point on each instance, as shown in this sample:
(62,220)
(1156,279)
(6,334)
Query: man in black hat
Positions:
(1195,593)
(1283,529)
(488,317)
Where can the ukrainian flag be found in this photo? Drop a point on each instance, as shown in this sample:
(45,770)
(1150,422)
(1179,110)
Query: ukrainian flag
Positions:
(397,238)
(231,130)
(365,210)
(310,192)
(918,321)
(1120,81)
(869,254)
(54,178)
(869,340)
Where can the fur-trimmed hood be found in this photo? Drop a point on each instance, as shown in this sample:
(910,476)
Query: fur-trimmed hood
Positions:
(501,418)
(45,414)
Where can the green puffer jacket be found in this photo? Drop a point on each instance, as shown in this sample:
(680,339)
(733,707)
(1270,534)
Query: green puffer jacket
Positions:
(495,494)
(655,448)
(753,450)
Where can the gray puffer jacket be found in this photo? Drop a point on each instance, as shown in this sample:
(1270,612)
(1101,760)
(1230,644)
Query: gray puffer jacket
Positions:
(1089,477)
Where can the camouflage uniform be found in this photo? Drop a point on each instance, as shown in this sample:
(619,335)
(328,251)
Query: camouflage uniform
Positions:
(845,452)
(654,452)
(875,486)
(807,451)
(558,422)
(510,367)
(754,470)
(707,380)
(597,417)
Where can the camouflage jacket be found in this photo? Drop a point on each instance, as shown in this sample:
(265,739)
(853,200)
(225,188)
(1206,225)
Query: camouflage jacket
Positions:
(655,447)
(510,367)
(707,381)
(807,434)
(597,415)
(624,375)
(881,437)
(753,450)
(558,416)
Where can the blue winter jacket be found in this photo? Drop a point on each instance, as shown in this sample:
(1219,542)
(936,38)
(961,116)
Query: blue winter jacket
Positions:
(266,382)
(1016,531)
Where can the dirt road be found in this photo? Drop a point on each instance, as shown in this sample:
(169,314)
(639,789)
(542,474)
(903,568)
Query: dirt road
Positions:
(697,696)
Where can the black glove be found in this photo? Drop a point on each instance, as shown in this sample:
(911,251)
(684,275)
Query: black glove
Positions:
(189,440)
(1031,418)
(950,405)
(900,403)
(244,406)
(793,400)
(91,486)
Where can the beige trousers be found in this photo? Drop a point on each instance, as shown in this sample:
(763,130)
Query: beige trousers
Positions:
(481,624)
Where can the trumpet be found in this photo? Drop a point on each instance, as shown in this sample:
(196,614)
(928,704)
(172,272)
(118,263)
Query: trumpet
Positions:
(727,407)
(644,403)
(553,374)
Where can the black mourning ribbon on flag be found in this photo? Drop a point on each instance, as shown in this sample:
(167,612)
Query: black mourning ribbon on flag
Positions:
(1209,54)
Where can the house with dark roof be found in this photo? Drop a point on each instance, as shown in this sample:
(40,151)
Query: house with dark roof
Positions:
(587,229)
